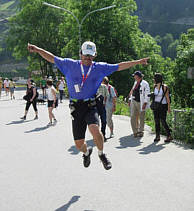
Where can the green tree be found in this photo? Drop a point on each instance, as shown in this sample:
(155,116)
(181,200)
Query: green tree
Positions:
(38,24)
(115,31)
(184,60)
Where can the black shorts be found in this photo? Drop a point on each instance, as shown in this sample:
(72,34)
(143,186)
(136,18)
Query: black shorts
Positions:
(50,103)
(83,114)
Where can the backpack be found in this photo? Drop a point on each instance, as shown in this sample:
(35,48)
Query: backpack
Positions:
(169,93)
(109,86)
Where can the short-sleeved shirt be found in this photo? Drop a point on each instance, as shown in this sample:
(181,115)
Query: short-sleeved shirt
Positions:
(103,90)
(72,71)
(112,94)
(43,83)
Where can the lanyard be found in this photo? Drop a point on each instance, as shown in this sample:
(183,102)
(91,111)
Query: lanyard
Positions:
(88,73)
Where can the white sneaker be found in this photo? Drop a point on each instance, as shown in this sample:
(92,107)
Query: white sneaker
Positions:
(112,135)
(49,124)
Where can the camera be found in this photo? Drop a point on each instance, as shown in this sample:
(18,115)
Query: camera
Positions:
(151,95)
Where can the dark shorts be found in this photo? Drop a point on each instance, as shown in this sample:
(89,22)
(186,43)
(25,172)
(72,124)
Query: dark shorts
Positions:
(50,103)
(83,114)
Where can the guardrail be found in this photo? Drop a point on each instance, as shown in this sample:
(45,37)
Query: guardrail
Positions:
(183,129)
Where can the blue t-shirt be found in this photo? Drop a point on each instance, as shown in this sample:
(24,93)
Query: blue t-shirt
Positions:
(72,71)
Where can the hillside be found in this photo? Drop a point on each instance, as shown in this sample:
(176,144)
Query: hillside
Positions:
(160,17)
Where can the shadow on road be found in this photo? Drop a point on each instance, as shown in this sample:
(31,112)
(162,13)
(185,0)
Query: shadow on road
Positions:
(38,129)
(129,141)
(73,150)
(19,122)
(71,201)
(151,149)
(6,100)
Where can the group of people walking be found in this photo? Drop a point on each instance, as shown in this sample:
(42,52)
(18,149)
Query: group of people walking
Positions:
(9,87)
(84,81)
(48,91)
(139,102)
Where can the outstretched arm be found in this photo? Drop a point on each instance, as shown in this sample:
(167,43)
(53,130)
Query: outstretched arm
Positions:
(45,54)
(126,65)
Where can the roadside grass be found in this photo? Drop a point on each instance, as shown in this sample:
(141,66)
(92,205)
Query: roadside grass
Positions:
(182,129)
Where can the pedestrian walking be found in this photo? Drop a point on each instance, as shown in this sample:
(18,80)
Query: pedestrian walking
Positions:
(162,105)
(60,87)
(12,89)
(139,102)
(52,101)
(31,98)
(83,80)
(1,85)
(6,86)
(43,87)
(110,105)
(102,94)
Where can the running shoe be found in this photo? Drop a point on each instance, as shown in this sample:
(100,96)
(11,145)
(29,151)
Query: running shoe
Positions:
(49,124)
(112,135)
(106,163)
(36,117)
(24,118)
(86,159)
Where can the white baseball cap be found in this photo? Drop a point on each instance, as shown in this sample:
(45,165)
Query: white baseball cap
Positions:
(88,48)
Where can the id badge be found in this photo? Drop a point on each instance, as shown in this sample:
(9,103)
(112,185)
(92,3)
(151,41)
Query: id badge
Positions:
(77,88)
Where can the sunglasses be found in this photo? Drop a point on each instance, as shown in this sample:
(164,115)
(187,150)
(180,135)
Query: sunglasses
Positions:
(88,55)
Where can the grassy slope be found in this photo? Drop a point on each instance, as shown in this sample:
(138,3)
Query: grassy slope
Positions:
(6,5)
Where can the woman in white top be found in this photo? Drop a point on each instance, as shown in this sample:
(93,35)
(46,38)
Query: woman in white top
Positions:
(6,86)
(60,87)
(161,95)
(52,100)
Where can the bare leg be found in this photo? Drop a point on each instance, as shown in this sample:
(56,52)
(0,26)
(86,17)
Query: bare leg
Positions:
(81,145)
(97,135)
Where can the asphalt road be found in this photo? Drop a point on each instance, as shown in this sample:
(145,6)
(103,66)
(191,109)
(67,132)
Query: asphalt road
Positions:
(41,170)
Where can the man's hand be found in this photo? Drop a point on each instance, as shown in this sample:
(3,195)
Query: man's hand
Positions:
(144,61)
(32,48)
(114,108)
(45,54)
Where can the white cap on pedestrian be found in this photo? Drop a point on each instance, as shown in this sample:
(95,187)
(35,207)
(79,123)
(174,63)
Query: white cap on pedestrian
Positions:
(88,48)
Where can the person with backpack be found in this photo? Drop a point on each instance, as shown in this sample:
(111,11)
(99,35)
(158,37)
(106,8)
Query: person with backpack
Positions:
(160,105)
(102,95)
(31,98)
(138,102)
(110,105)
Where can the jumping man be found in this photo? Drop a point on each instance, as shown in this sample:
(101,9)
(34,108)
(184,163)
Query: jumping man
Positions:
(83,80)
